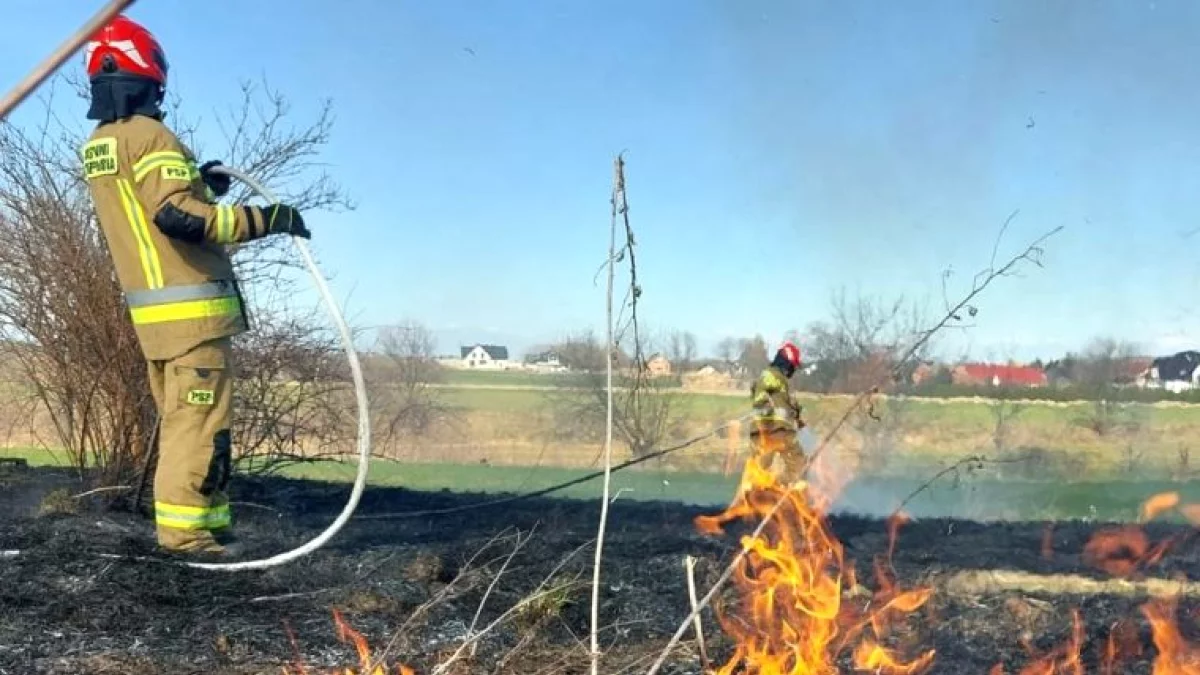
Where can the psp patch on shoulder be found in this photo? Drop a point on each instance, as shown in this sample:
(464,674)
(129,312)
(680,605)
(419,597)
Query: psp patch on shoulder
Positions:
(201,397)
(176,172)
(100,158)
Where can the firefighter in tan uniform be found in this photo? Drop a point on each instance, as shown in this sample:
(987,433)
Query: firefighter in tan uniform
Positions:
(167,235)
(777,416)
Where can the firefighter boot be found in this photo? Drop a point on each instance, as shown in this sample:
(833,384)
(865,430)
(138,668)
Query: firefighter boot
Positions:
(193,393)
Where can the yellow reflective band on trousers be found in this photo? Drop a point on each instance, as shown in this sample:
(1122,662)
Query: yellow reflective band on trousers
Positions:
(182,311)
(157,160)
(192,517)
(141,233)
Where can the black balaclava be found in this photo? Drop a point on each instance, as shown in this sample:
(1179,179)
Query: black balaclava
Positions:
(116,97)
(781,362)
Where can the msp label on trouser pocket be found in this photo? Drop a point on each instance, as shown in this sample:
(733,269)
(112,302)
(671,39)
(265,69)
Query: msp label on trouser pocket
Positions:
(201,397)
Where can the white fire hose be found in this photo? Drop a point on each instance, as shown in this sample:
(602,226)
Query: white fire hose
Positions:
(360,391)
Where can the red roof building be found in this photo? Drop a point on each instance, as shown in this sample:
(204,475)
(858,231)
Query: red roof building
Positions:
(995,375)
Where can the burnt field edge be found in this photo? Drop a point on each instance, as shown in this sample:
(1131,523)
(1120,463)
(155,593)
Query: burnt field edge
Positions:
(288,510)
(65,609)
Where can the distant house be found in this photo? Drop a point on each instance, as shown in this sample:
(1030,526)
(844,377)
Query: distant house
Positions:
(489,357)
(545,362)
(1179,372)
(658,366)
(709,378)
(998,375)
(923,373)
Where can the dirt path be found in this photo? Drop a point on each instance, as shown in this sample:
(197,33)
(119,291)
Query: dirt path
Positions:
(65,610)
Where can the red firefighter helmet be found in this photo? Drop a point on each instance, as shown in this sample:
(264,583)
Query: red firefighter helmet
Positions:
(125,47)
(791,353)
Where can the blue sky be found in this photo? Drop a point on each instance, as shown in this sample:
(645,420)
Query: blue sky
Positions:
(776,152)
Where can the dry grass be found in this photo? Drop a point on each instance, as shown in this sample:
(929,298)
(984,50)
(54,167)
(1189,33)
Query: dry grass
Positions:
(974,583)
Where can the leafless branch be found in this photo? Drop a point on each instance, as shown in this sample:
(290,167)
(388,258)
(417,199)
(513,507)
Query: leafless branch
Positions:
(619,208)
(976,462)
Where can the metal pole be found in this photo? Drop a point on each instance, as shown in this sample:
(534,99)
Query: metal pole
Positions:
(64,51)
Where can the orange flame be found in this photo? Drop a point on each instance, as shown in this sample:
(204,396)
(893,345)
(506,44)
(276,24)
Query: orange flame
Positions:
(1121,551)
(347,634)
(1118,551)
(790,618)
(1192,513)
(1175,655)
(1159,504)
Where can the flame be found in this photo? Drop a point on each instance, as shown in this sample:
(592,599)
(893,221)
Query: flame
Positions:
(790,617)
(1118,551)
(1192,513)
(347,634)
(1175,655)
(1159,504)
(1121,551)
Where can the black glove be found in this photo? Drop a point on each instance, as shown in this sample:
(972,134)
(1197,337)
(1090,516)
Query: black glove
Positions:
(284,219)
(219,183)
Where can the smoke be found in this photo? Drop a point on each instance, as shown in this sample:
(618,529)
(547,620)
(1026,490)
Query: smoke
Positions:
(896,136)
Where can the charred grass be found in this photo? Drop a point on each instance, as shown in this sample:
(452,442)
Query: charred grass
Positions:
(413,585)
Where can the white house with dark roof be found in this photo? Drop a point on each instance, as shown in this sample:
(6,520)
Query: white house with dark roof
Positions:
(485,357)
(1177,373)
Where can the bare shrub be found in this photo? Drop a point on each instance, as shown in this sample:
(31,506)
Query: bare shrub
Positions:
(1004,413)
(292,400)
(681,350)
(1183,463)
(862,342)
(1099,373)
(62,316)
(404,395)
(647,410)
(881,427)
(1037,463)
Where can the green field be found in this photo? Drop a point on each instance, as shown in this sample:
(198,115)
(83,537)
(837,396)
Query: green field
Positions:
(980,497)
(976,498)
(35,456)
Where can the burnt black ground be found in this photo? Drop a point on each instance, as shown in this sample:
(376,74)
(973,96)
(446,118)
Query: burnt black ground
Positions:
(65,609)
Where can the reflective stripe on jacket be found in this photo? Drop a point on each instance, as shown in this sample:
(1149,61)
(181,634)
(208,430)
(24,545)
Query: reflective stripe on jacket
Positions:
(166,236)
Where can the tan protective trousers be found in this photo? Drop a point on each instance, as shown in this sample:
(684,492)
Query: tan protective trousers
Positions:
(194,394)
(783,444)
